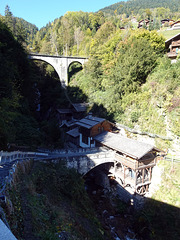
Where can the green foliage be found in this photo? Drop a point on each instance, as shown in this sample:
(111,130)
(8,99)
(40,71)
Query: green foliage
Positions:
(56,202)
(69,35)
(137,60)
(134,116)
(169,191)
(23,31)
(162,7)
(118,67)
(13,69)
(24,86)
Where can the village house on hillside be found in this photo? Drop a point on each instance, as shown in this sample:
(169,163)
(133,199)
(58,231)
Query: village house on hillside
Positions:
(144,22)
(173,46)
(167,22)
(175,25)
(164,23)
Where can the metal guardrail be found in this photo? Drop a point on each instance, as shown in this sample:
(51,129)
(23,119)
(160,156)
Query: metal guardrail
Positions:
(6,157)
(171,159)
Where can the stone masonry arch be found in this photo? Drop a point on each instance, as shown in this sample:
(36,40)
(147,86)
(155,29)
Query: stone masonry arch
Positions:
(74,62)
(98,165)
(60,64)
(83,164)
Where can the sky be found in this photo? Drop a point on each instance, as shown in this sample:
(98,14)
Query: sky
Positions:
(41,12)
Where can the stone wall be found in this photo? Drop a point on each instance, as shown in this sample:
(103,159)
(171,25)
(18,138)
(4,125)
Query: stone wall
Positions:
(85,162)
(17,169)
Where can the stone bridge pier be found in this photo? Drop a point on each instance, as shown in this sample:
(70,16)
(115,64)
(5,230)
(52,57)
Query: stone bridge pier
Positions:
(60,64)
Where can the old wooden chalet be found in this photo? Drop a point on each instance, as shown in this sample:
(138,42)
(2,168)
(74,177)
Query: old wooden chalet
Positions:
(75,111)
(86,129)
(134,161)
(144,22)
(173,46)
(79,109)
(64,114)
(167,22)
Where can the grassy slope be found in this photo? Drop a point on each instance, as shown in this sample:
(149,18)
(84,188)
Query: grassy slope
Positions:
(169,33)
(169,191)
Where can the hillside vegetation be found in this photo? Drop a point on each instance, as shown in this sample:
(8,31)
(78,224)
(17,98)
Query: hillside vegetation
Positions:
(132,79)
(24,86)
(22,30)
(127,79)
(138,6)
(50,202)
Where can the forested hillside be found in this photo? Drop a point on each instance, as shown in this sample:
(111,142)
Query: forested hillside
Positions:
(23,87)
(138,6)
(127,78)
(22,30)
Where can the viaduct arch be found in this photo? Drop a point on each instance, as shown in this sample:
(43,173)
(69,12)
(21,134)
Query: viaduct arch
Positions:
(60,64)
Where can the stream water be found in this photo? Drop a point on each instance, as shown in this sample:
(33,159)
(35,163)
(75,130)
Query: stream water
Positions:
(114,215)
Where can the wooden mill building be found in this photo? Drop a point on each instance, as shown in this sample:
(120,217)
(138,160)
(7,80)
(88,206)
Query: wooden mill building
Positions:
(134,160)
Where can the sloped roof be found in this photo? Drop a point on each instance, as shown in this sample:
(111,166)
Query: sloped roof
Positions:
(167,20)
(175,23)
(80,107)
(61,111)
(124,145)
(168,41)
(144,20)
(74,132)
(90,121)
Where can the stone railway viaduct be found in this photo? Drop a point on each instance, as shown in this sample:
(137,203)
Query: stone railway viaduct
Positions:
(61,64)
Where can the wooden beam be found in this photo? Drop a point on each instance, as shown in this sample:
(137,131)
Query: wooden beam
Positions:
(150,173)
(143,175)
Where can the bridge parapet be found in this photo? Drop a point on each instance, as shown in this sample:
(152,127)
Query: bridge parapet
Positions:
(82,161)
(6,157)
(85,162)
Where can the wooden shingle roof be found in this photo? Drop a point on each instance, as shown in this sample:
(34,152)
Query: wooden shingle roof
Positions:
(80,107)
(74,132)
(90,121)
(127,146)
(64,111)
